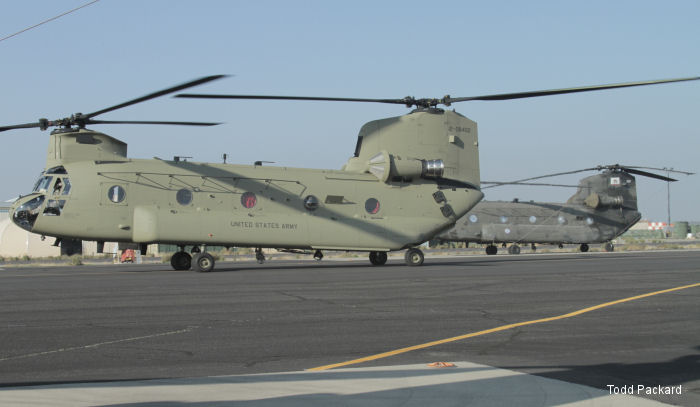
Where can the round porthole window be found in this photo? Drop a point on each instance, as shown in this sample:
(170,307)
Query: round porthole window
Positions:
(372,206)
(533,219)
(507,230)
(561,220)
(248,200)
(116,194)
(311,203)
(184,196)
(504,219)
(589,221)
(473,218)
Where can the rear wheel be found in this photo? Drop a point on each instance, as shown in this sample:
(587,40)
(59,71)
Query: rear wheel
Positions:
(491,249)
(414,257)
(514,249)
(203,262)
(584,247)
(609,247)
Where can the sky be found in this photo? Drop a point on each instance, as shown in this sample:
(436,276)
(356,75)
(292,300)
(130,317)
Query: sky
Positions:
(116,50)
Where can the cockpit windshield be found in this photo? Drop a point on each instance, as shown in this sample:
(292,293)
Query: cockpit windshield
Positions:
(42,184)
(62,185)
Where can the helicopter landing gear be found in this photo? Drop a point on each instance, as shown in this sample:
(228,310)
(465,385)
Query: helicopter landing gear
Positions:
(181,261)
(413,257)
(378,258)
(583,247)
(195,250)
(609,247)
(533,247)
(491,249)
(260,256)
(514,249)
(203,262)
(318,256)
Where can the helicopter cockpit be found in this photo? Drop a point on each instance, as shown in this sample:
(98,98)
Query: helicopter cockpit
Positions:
(52,187)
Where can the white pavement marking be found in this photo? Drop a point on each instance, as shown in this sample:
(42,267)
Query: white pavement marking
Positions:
(408,385)
(96,345)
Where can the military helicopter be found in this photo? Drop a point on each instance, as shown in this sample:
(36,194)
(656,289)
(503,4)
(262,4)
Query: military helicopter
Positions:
(603,207)
(411,177)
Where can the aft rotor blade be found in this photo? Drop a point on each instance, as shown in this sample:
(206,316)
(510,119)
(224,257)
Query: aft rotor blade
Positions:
(534,184)
(157,94)
(550,92)
(149,122)
(648,174)
(272,97)
(661,169)
(551,175)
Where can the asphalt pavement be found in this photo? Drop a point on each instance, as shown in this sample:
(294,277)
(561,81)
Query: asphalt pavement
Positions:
(594,321)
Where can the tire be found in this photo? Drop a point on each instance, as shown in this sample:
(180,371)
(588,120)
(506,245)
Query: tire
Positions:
(514,249)
(609,247)
(203,262)
(181,261)
(378,258)
(584,247)
(414,257)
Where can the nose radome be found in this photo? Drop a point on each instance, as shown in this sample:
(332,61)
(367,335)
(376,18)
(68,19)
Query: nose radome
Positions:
(25,211)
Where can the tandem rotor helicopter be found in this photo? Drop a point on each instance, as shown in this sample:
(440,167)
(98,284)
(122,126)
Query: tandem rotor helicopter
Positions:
(603,207)
(411,177)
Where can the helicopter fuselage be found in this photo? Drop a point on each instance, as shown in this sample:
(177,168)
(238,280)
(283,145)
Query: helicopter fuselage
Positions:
(114,198)
(540,222)
(604,207)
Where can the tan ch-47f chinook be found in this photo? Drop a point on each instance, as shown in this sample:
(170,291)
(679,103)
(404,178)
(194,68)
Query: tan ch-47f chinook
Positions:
(411,177)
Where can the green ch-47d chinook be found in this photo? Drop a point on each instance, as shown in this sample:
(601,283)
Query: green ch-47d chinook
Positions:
(411,177)
(603,207)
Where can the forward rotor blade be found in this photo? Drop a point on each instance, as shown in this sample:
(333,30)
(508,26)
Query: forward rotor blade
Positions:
(149,122)
(272,97)
(20,126)
(536,93)
(648,174)
(157,94)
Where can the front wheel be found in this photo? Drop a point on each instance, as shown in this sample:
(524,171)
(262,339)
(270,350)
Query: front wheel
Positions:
(583,247)
(203,262)
(181,261)
(609,247)
(377,258)
(414,257)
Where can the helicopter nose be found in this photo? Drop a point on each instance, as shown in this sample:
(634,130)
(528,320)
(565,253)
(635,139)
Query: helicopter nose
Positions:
(25,211)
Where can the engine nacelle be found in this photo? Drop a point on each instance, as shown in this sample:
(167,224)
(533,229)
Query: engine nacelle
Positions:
(384,166)
(594,201)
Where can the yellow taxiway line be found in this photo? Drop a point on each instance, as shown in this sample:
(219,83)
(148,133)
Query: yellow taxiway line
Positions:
(498,329)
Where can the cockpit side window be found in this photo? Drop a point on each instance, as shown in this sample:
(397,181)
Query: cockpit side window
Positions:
(61,186)
(58,186)
(66,186)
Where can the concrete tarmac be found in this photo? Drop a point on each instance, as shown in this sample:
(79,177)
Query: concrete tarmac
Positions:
(82,327)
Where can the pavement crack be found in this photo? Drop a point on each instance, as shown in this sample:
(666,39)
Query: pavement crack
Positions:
(97,345)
